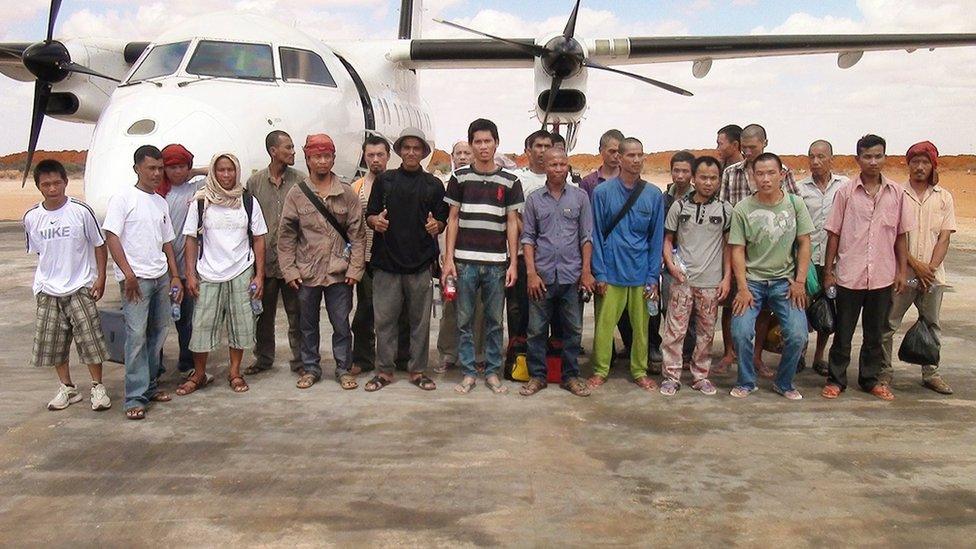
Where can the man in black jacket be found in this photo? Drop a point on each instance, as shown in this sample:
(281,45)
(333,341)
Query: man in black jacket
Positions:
(406,211)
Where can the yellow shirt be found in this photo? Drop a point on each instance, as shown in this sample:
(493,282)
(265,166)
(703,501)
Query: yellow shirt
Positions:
(935,213)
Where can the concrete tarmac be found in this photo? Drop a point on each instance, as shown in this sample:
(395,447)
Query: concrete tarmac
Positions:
(278,466)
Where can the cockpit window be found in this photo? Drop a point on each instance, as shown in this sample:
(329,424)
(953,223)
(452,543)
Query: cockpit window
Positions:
(232,60)
(162,60)
(304,67)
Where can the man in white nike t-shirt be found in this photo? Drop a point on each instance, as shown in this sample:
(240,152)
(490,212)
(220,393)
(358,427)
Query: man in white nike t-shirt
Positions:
(139,234)
(70,278)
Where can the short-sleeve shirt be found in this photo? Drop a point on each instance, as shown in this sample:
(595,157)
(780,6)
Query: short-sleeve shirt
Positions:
(142,223)
(483,200)
(64,240)
(699,231)
(867,228)
(226,250)
(768,234)
(935,212)
(178,198)
(737,183)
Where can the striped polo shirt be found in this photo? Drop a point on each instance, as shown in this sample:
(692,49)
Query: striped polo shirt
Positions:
(484,200)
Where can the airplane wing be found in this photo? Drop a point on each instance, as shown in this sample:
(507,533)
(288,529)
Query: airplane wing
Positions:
(474,53)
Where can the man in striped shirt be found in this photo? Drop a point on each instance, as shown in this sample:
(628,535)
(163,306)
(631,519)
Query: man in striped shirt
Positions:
(482,237)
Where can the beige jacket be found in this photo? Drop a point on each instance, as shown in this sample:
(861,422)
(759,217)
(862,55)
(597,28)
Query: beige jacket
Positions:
(309,247)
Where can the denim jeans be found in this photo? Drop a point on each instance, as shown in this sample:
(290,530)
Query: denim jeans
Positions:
(561,301)
(792,321)
(490,279)
(338,305)
(146,323)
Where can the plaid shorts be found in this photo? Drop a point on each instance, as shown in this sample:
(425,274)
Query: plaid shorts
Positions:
(220,301)
(61,319)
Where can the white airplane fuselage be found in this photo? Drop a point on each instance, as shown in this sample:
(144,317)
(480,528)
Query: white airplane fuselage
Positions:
(209,115)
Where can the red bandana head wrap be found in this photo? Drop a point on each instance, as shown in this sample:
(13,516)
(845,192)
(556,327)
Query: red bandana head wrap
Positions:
(928,149)
(173,155)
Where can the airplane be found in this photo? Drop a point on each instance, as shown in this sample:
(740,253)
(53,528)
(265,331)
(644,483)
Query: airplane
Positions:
(221,82)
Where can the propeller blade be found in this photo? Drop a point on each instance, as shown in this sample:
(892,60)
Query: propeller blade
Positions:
(571,24)
(71,66)
(52,18)
(553,90)
(42,92)
(535,50)
(651,81)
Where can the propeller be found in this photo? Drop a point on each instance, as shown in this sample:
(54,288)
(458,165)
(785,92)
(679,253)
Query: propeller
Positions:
(563,57)
(50,62)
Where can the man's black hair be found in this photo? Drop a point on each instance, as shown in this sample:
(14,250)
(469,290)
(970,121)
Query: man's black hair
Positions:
(871,140)
(146,151)
(766,157)
(682,156)
(830,147)
(732,132)
(610,135)
(754,130)
(706,161)
(627,141)
(556,138)
(373,139)
(273,138)
(49,165)
(535,136)
(482,125)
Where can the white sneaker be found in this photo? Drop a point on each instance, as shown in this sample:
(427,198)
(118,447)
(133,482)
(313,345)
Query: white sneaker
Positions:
(65,397)
(99,398)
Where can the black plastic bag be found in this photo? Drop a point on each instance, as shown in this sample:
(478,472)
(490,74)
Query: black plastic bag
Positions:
(920,346)
(821,315)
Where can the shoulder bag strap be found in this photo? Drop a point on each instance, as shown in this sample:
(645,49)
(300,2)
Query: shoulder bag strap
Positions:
(317,202)
(631,200)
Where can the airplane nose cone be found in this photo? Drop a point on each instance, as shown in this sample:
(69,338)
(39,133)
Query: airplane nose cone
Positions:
(156,118)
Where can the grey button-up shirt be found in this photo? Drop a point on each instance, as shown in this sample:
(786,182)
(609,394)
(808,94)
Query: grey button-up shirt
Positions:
(558,228)
(272,199)
(818,204)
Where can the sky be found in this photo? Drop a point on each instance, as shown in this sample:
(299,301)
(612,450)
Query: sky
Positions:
(903,97)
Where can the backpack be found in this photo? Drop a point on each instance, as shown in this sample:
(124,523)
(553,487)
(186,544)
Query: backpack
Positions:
(248,200)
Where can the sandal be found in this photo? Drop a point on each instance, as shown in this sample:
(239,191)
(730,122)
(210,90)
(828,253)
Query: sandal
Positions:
(466,385)
(576,386)
(377,383)
(161,396)
(830,391)
(595,381)
(306,381)
(255,369)
(192,385)
(532,387)
(135,413)
(238,384)
(496,387)
(423,382)
(348,381)
(646,383)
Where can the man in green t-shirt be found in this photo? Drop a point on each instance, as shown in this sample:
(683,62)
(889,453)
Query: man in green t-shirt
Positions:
(770,239)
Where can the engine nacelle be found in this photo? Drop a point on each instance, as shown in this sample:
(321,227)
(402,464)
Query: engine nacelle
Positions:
(570,103)
(80,97)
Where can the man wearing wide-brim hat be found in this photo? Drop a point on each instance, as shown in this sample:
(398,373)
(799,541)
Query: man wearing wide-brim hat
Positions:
(407,211)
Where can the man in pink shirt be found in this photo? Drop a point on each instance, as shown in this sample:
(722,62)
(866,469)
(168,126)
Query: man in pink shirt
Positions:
(867,255)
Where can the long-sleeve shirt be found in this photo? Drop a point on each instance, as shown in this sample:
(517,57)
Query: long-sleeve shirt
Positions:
(310,248)
(558,229)
(408,198)
(631,254)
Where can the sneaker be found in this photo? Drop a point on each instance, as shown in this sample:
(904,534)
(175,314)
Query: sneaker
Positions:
(99,398)
(705,387)
(669,387)
(67,395)
(742,392)
(791,394)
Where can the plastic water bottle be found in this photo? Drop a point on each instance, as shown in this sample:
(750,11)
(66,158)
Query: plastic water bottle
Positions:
(256,306)
(680,263)
(831,292)
(914,284)
(450,289)
(652,305)
(176,310)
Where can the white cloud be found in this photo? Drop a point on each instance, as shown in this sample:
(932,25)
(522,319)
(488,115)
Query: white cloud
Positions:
(904,97)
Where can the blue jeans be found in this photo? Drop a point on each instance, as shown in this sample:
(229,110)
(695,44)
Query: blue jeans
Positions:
(561,301)
(338,306)
(146,323)
(491,280)
(792,321)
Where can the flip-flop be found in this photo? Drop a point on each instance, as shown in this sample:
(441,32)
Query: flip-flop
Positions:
(496,388)
(348,382)
(161,396)
(305,381)
(135,413)
(465,387)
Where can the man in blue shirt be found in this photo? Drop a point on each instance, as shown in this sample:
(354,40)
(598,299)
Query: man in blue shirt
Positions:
(627,247)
